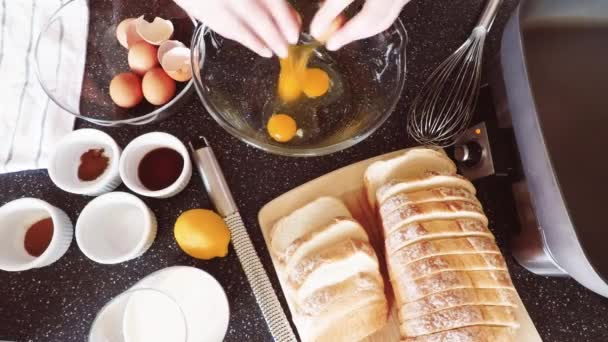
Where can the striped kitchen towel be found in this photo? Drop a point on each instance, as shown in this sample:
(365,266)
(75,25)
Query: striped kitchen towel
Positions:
(30,123)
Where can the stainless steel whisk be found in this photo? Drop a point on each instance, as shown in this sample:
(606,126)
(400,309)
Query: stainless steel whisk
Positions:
(443,109)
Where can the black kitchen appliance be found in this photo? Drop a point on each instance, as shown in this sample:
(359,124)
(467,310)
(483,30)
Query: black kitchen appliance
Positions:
(552,89)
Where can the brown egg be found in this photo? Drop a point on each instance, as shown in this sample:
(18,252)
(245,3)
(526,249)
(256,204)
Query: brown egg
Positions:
(125,90)
(158,87)
(142,57)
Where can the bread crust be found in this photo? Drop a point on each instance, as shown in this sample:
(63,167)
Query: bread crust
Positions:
(299,242)
(458,317)
(458,262)
(468,334)
(437,229)
(457,297)
(444,246)
(431,211)
(327,298)
(439,194)
(300,272)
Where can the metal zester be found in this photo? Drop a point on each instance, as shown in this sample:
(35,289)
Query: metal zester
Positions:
(220,195)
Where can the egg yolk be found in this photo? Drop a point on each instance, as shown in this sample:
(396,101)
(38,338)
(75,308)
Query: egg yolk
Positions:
(295,77)
(315,82)
(282,127)
(289,86)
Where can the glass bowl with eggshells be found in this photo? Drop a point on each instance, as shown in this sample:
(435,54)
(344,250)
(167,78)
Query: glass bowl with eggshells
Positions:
(119,63)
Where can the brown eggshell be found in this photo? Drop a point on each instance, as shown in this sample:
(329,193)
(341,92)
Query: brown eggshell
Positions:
(154,32)
(126,33)
(176,63)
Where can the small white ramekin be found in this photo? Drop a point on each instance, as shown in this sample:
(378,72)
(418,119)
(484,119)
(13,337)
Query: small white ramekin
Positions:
(135,152)
(15,219)
(115,227)
(65,160)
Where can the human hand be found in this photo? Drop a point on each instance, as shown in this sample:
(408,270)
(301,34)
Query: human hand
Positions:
(375,17)
(264,26)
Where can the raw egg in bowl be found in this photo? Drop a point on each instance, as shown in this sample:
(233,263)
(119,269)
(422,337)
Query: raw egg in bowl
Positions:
(313,102)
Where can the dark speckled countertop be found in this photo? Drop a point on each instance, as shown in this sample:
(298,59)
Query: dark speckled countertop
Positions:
(59,302)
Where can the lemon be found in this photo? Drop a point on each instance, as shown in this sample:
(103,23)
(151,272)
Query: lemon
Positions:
(202,234)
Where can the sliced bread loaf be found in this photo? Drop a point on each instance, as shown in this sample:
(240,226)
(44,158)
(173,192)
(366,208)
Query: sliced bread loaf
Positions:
(439,194)
(457,297)
(458,317)
(408,290)
(437,229)
(444,246)
(469,334)
(338,230)
(341,293)
(455,262)
(430,211)
(332,266)
(304,220)
(413,165)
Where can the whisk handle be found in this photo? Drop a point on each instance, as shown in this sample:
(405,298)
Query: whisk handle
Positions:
(489,14)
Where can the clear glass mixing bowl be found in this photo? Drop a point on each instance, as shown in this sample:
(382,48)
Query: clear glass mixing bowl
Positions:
(92,38)
(239,89)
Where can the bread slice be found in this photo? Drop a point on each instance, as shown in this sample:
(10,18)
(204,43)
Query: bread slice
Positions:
(338,230)
(458,317)
(341,294)
(408,290)
(308,218)
(412,165)
(439,194)
(331,266)
(457,297)
(439,229)
(449,210)
(361,318)
(431,180)
(446,246)
(469,334)
(440,263)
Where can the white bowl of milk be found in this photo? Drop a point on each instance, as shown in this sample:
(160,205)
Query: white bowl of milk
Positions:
(167,305)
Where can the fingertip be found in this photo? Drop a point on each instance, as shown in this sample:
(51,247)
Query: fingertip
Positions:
(282,54)
(317,26)
(280,50)
(333,44)
(315,31)
(265,52)
(293,37)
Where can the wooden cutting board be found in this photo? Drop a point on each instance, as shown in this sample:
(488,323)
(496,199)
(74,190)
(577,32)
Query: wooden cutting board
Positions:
(347,184)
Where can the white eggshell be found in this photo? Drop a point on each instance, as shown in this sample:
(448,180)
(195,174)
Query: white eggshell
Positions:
(126,33)
(176,63)
(154,32)
(166,46)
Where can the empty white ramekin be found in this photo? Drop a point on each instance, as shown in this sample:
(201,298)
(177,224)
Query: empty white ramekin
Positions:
(65,160)
(135,152)
(115,227)
(15,219)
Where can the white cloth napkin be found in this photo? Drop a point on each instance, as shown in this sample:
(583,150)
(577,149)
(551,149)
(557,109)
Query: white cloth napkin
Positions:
(31,123)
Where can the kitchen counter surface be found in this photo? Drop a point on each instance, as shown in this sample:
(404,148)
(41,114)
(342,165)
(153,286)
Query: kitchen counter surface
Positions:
(59,302)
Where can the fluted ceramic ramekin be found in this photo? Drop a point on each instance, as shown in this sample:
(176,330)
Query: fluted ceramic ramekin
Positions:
(65,160)
(15,219)
(135,152)
(115,227)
